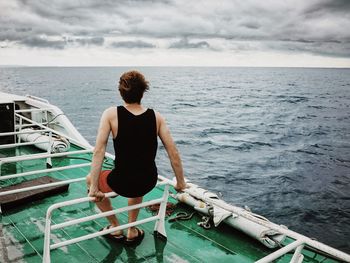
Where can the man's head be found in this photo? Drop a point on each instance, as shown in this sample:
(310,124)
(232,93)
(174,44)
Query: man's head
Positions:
(132,85)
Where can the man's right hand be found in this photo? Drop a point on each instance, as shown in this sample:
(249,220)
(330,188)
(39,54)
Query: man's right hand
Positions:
(99,196)
(180,186)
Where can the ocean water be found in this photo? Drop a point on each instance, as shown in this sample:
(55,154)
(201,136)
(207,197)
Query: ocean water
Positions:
(274,139)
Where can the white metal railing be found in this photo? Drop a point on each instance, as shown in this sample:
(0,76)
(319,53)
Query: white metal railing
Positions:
(33,110)
(11,145)
(298,246)
(22,132)
(15,144)
(38,99)
(17,126)
(36,187)
(159,218)
(20,126)
(282,251)
(62,168)
(45,127)
(40,156)
(46,155)
(45,110)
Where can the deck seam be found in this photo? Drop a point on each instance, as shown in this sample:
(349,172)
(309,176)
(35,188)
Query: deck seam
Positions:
(26,239)
(88,254)
(79,245)
(208,238)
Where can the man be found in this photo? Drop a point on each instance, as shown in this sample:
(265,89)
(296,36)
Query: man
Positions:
(135,130)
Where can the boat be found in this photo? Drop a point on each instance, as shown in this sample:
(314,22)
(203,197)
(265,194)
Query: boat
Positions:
(46,215)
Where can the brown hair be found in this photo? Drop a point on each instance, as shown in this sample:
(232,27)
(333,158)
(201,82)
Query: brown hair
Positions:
(132,85)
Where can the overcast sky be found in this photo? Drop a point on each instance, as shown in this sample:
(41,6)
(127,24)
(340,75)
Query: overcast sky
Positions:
(301,33)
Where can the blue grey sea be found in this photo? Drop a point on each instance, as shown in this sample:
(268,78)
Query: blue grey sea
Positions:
(274,139)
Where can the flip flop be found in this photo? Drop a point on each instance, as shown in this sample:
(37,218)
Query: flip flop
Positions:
(116,238)
(137,239)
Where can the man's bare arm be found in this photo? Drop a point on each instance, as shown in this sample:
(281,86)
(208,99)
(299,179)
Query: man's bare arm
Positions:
(99,153)
(173,153)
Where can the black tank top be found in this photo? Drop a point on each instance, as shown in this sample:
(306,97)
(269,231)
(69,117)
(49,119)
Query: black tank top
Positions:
(135,171)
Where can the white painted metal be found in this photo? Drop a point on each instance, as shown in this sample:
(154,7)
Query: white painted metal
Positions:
(12,145)
(48,227)
(104,214)
(42,186)
(40,156)
(298,256)
(22,132)
(160,224)
(33,109)
(20,129)
(32,124)
(68,130)
(48,159)
(81,142)
(278,253)
(38,99)
(62,168)
(269,238)
(46,141)
(104,232)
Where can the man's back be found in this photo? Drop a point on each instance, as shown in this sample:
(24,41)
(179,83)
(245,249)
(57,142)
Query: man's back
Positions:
(135,146)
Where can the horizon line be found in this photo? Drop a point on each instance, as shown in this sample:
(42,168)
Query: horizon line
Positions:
(167,66)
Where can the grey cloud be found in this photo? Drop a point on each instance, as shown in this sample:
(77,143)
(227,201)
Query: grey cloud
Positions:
(184,43)
(320,25)
(337,6)
(330,49)
(23,29)
(97,41)
(43,43)
(250,25)
(132,44)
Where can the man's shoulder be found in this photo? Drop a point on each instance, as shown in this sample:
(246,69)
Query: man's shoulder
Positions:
(159,117)
(157,113)
(110,112)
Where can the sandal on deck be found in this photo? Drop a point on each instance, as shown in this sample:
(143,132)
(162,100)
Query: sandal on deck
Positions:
(117,238)
(137,239)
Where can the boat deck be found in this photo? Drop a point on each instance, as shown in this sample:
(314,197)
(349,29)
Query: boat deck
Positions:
(22,228)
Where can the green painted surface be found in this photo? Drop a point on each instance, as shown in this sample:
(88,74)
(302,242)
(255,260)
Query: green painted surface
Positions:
(22,228)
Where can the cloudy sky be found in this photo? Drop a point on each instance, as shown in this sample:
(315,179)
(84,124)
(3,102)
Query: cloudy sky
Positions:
(305,33)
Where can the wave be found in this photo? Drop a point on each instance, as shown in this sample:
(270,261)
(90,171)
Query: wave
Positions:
(292,99)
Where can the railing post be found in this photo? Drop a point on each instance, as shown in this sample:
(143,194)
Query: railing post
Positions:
(282,251)
(160,223)
(297,256)
(20,129)
(47,237)
(49,147)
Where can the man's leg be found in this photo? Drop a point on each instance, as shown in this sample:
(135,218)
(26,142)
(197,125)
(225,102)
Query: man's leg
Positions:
(105,206)
(132,232)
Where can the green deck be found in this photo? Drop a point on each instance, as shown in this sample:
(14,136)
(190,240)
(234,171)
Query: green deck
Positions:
(22,229)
